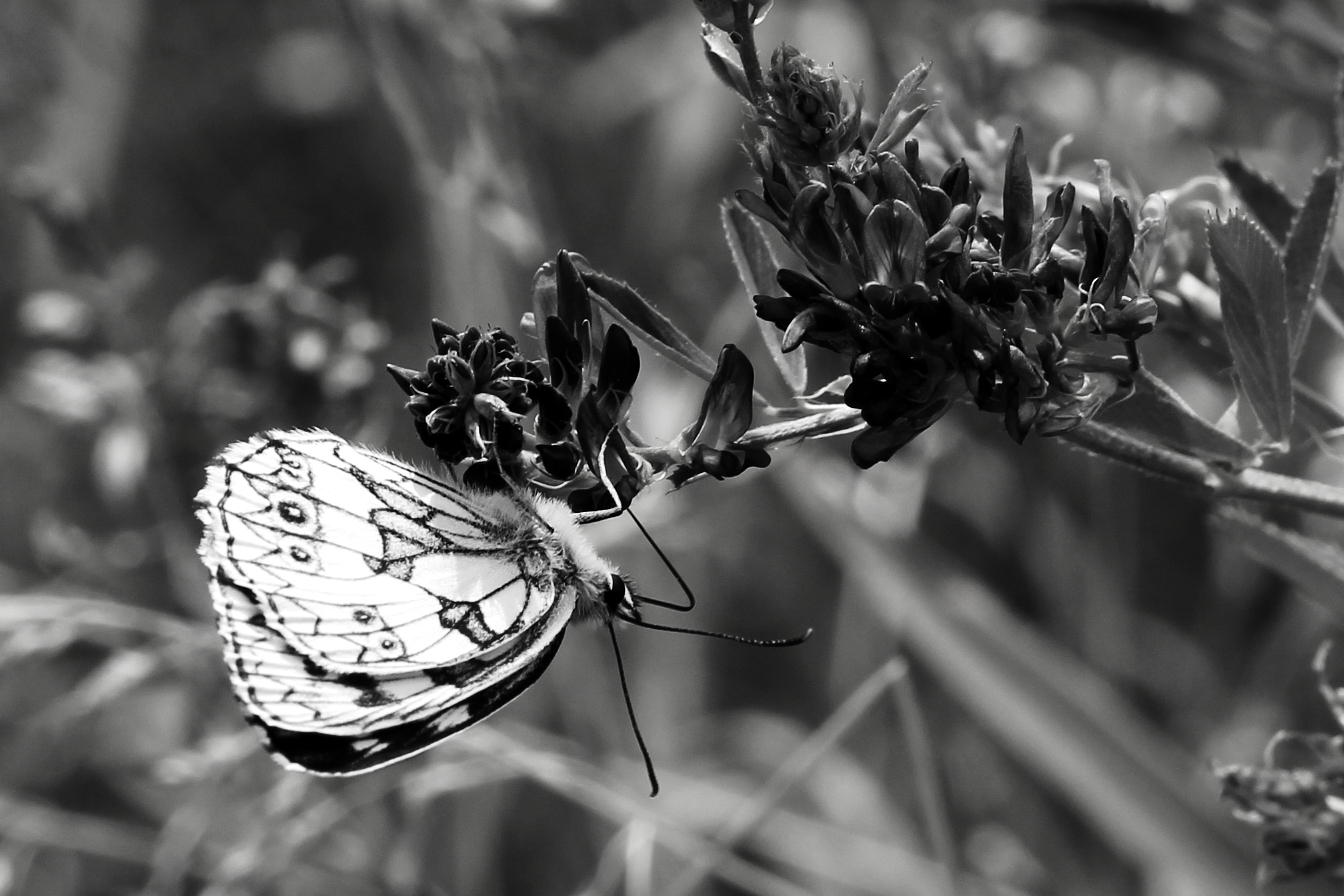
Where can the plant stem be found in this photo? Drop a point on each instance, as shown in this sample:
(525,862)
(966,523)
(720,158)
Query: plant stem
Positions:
(1217,483)
(826,423)
(744,29)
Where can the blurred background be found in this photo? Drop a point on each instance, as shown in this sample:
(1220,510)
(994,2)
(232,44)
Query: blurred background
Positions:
(228,215)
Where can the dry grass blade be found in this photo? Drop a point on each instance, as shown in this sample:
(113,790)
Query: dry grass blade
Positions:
(582,784)
(803,759)
(927,777)
(1045,707)
(30,822)
(821,852)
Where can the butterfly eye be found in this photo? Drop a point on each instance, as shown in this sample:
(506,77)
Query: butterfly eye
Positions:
(293,471)
(300,554)
(296,512)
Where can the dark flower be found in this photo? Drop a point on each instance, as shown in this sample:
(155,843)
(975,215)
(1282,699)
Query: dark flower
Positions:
(709,446)
(470,399)
(1297,799)
(809,120)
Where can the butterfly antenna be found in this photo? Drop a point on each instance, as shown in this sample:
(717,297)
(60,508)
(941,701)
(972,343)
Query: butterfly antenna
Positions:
(685,589)
(722,636)
(630,711)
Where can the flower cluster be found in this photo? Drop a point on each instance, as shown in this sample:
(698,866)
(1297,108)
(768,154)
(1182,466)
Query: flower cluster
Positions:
(806,110)
(473,393)
(560,424)
(928,295)
(1296,799)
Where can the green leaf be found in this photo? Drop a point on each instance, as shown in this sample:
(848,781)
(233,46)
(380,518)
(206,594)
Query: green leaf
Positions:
(1306,251)
(1276,212)
(1265,199)
(1255,314)
(723,59)
(1314,565)
(887,134)
(756,268)
(636,314)
(1154,409)
(1018,205)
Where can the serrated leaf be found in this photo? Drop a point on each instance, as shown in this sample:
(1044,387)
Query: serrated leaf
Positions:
(1306,251)
(1276,212)
(1154,409)
(1018,205)
(1265,199)
(1314,565)
(1255,315)
(757,268)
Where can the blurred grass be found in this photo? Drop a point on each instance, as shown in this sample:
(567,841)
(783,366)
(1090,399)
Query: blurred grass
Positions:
(1082,643)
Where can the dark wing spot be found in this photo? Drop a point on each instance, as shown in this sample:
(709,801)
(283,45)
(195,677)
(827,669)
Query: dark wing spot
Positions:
(453,675)
(363,616)
(371,692)
(313,669)
(292,513)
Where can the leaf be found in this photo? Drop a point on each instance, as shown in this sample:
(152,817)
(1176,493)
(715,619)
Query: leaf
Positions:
(723,59)
(1154,409)
(1306,251)
(1265,199)
(904,127)
(1276,212)
(1314,565)
(634,312)
(884,137)
(1255,314)
(1018,205)
(757,268)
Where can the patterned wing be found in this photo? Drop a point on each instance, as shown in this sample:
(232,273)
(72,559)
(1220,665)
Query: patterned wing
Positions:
(367,565)
(340,722)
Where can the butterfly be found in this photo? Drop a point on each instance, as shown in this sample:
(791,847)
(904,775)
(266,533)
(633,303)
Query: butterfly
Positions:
(369,609)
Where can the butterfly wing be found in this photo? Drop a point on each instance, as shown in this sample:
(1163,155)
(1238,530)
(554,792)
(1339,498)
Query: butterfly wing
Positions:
(366,564)
(330,723)
(321,553)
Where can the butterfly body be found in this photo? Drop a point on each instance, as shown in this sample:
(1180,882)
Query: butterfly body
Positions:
(369,609)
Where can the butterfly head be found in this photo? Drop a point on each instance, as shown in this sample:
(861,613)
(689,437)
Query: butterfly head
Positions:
(620,598)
